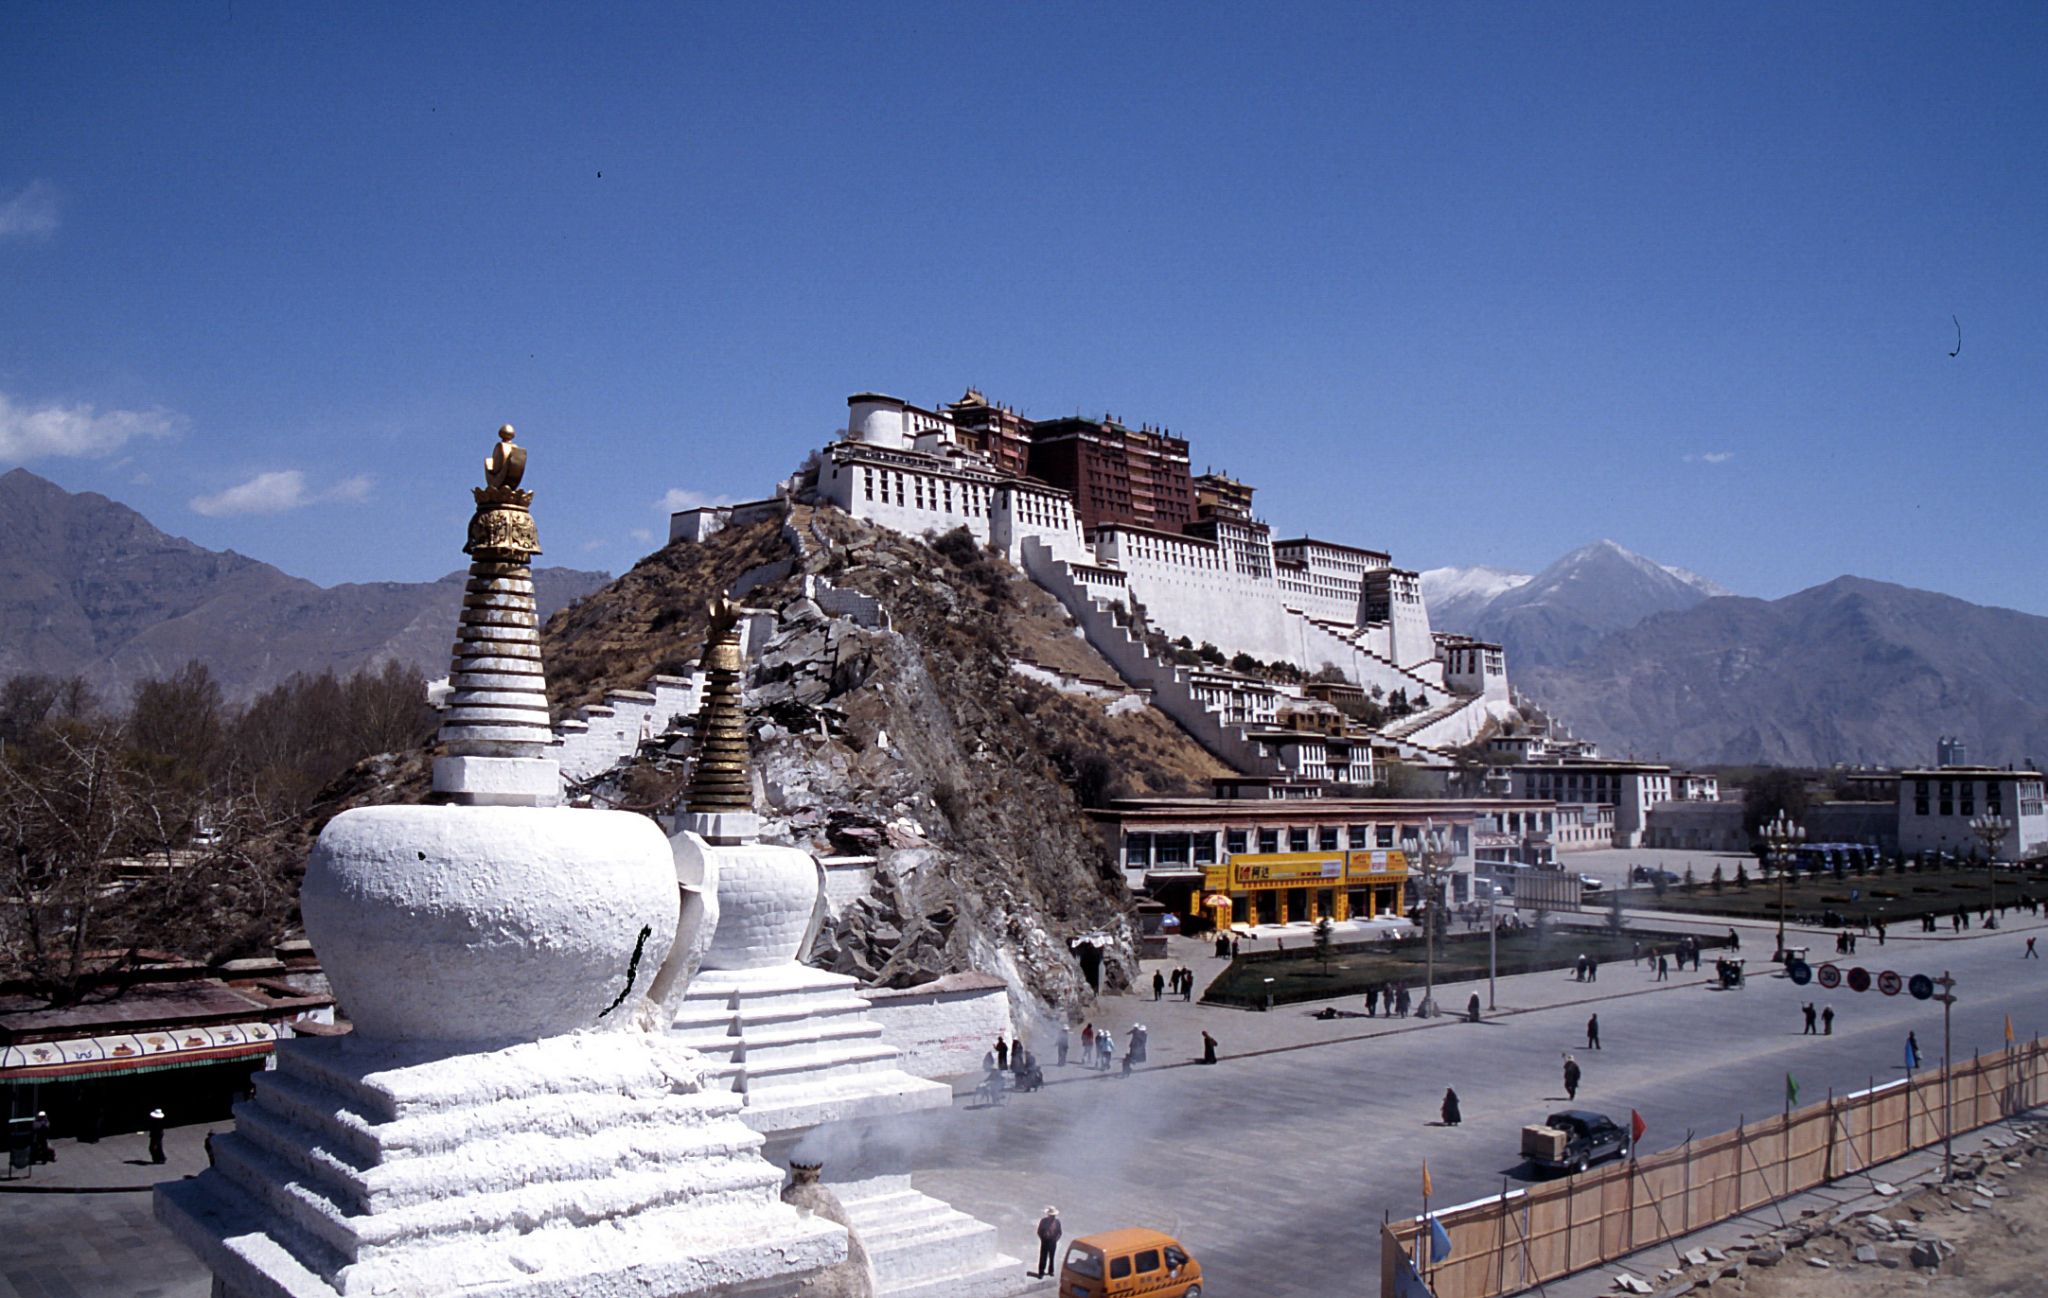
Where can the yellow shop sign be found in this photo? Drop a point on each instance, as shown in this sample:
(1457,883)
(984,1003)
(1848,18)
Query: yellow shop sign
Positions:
(1286,869)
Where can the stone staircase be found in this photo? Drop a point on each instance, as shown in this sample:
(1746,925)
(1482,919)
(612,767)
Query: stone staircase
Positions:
(922,1248)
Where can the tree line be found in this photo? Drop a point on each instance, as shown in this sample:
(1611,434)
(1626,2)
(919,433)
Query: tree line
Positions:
(157,827)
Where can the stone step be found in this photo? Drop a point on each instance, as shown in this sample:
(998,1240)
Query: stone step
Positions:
(809,1034)
(704,1015)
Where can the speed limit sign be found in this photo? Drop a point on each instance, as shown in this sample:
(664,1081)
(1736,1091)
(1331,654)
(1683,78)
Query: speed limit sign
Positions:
(1890,983)
(1829,977)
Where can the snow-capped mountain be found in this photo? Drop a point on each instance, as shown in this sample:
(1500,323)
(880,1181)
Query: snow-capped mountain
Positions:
(1560,612)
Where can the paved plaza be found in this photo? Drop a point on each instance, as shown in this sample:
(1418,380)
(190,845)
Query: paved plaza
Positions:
(1275,1165)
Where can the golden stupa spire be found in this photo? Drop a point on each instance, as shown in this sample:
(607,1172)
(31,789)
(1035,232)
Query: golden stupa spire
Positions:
(721,781)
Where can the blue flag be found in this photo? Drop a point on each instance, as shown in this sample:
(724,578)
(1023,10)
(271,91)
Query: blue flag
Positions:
(1439,1241)
(1912,1055)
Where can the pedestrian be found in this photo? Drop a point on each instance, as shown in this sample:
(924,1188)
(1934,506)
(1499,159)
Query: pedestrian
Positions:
(1593,1032)
(2031,954)
(1472,1008)
(1158,985)
(1635,953)
(1105,1049)
(1187,985)
(1592,970)
(1222,947)
(1879,926)
(1401,1000)
(1233,948)
(1208,1049)
(1048,1241)
(1088,1044)
(156,1135)
(1734,940)
(1579,969)
(1663,968)
(1002,1053)
(1807,1010)
(1372,1000)
(39,1150)
(1827,1021)
(1064,1038)
(1451,1115)
(1571,1078)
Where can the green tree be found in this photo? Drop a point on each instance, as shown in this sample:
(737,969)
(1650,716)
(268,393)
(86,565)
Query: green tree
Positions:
(1322,944)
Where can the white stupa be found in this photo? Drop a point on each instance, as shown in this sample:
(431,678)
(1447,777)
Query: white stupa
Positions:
(794,1041)
(500,1122)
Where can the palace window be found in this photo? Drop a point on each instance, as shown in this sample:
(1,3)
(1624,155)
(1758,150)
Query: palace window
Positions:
(1235,841)
(1297,840)
(1269,840)
(1328,838)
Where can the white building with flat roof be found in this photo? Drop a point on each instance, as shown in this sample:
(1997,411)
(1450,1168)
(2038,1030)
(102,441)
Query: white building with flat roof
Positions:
(1937,805)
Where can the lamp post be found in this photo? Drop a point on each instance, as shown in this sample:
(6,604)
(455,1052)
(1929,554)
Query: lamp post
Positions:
(1431,849)
(1991,830)
(1781,836)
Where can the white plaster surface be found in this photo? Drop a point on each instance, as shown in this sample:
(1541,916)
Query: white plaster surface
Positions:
(488,923)
(500,781)
(765,898)
(582,1166)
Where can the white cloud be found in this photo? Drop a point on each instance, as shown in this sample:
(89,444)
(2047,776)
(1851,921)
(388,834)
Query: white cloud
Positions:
(30,214)
(32,432)
(681,498)
(593,545)
(1710,457)
(643,535)
(278,492)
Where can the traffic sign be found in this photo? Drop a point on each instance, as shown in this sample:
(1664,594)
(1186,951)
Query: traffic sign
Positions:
(1829,976)
(1890,983)
(1799,972)
(1921,987)
(1859,979)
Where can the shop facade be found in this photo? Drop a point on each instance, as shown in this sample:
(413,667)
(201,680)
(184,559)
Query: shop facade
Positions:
(1287,887)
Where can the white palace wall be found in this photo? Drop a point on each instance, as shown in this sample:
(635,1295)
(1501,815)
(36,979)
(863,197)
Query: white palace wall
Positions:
(1189,589)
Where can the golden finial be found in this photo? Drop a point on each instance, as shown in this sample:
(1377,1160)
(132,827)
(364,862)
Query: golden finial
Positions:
(721,781)
(502,528)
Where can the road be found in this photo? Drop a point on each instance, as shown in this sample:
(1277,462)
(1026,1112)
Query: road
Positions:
(1276,1167)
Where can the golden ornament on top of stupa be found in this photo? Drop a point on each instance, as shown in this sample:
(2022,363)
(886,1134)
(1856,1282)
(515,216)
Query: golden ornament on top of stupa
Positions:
(502,528)
(721,781)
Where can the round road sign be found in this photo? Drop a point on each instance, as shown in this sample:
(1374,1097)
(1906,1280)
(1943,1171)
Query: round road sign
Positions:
(1890,983)
(1859,979)
(1830,977)
(1921,986)
(1799,972)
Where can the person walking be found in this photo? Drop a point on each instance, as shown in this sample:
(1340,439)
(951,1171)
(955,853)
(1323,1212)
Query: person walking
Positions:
(1734,940)
(156,1135)
(1048,1241)
(1187,985)
(1401,1000)
(1208,1048)
(1593,1032)
(1158,985)
(1592,970)
(1571,1078)
(1372,1000)
(1663,968)
(1579,969)
(1105,1049)
(1452,1117)
(1827,1021)
(39,1150)
(1472,1008)
(1002,1053)
(1088,1044)
(1063,1041)
(2031,954)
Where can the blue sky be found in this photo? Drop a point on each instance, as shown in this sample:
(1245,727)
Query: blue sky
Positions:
(1475,284)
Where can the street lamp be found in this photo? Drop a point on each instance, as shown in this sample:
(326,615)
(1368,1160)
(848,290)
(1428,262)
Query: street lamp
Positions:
(1991,829)
(1430,847)
(1781,836)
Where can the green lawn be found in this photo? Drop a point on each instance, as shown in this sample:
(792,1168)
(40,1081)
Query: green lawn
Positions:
(1898,899)
(1460,959)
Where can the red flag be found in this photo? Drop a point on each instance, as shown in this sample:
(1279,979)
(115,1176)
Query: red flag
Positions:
(1636,1126)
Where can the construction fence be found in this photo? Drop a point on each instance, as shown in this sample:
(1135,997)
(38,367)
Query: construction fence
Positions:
(1524,1237)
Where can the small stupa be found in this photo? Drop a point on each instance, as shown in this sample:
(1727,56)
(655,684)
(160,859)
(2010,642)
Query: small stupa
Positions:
(500,1122)
(796,1042)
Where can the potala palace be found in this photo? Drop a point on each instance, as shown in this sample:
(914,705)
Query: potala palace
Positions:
(1110,519)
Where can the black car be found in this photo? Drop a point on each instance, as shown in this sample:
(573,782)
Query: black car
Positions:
(1571,1140)
(1651,874)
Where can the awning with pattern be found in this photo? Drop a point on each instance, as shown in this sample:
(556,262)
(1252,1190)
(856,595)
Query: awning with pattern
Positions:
(44,1061)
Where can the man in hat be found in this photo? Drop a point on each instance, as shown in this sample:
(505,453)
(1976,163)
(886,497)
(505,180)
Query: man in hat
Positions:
(156,1135)
(1048,1241)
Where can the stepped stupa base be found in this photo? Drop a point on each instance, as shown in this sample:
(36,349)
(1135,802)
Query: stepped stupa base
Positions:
(580,1166)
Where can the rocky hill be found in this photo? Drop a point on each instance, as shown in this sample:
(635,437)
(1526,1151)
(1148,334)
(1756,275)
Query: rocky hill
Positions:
(1850,671)
(945,745)
(89,586)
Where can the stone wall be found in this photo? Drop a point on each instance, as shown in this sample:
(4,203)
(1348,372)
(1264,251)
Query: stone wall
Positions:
(944,1027)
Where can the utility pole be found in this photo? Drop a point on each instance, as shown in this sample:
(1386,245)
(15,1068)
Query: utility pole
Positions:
(1947,997)
(1991,829)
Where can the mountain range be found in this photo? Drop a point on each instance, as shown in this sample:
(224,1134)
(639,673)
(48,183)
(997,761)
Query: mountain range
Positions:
(90,587)
(1656,661)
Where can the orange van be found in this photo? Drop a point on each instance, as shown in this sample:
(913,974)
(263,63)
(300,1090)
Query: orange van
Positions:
(1131,1262)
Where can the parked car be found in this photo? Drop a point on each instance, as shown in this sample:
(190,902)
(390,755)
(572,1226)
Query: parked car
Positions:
(1571,1140)
(1652,875)
(1590,883)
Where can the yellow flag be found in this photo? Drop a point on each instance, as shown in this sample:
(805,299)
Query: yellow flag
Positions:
(1425,1178)
(2008,1029)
